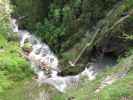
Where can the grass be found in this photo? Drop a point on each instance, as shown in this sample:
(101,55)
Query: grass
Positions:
(13,67)
(119,90)
(3,41)
(17,92)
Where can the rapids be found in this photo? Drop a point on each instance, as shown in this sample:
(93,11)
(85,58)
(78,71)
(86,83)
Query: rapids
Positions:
(41,55)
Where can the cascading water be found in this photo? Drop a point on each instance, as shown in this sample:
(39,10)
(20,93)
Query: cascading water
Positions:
(42,57)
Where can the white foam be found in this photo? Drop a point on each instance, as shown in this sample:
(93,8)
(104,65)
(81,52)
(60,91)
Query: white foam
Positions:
(41,53)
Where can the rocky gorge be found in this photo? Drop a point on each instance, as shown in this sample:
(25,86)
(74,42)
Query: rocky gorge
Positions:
(66,50)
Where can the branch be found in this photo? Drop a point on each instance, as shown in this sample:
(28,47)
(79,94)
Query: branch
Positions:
(90,45)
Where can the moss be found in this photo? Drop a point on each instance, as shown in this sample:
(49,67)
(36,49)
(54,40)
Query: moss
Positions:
(13,67)
(3,41)
(27,47)
(14,36)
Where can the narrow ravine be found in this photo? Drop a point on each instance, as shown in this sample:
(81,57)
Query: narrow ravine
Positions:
(66,50)
(44,63)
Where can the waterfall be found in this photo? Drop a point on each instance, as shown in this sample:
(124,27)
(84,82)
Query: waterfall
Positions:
(43,60)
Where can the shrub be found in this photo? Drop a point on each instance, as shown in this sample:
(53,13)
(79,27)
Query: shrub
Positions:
(13,67)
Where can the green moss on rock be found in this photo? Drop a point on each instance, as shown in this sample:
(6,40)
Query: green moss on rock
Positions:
(27,47)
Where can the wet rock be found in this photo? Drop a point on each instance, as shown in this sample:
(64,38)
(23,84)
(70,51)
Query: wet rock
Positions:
(71,98)
(70,70)
(44,66)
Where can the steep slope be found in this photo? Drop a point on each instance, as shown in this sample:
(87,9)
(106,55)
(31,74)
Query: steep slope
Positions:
(79,31)
(13,67)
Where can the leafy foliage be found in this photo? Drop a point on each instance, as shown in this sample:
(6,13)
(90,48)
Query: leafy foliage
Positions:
(60,22)
(13,67)
(29,12)
(64,22)
(50,33)
(122,88)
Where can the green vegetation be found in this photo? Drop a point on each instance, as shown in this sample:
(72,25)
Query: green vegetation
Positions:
(60,22)
(13,67)
(3,41)
(29,12)
(122,88)
(116,91)
(68,26)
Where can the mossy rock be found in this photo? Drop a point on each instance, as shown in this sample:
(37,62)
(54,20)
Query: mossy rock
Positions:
(13,36)
(71,70)
(27,47)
